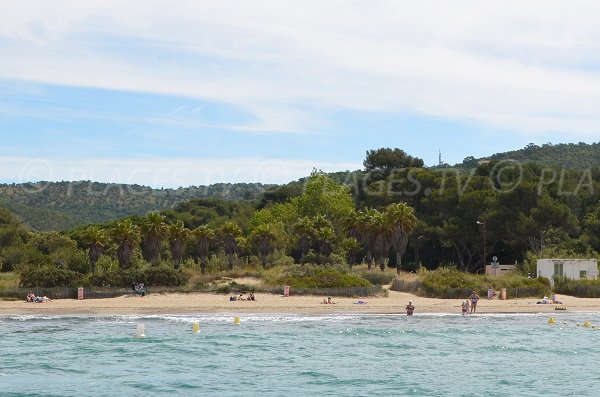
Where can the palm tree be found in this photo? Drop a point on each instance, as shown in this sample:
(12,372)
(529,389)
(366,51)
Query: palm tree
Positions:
(263,239)
(178,236)
(203,235)
(352,247)
(381,230)
(154,230)
(303,229)
(404,222)
(364,232)
(97,240)
(229,232)
(127,236)
(324,239)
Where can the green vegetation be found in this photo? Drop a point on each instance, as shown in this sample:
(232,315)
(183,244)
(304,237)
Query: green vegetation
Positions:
(67,205)
(318,277)
(395,215)
(447,282)
(579,288)
(568,155)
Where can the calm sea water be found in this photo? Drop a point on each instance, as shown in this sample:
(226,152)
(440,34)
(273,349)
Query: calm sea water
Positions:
(295,355)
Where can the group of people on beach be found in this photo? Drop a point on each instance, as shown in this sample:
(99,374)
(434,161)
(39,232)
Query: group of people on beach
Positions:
(469,304)
(553,300)
(241,297)
(31,297)
(139,289)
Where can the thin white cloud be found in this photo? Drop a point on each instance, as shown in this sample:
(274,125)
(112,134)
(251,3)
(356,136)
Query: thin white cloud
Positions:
(155,172)
(527,66)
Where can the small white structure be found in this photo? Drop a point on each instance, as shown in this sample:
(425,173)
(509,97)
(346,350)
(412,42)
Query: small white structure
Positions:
(574,269)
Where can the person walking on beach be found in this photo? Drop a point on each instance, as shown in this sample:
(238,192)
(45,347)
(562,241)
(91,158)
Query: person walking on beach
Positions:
(474,298)
(410,309)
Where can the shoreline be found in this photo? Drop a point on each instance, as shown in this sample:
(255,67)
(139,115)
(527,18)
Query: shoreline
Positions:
(204,303)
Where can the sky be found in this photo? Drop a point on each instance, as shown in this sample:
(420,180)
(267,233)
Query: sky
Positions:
(171,94)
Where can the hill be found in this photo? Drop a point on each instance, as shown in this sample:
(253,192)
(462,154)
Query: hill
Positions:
(66,205)
(568,155)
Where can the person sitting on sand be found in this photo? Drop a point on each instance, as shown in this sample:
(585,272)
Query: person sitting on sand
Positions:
(330,302)
(474,298)
(544,301)
(30,296)
(555,300)
(410,309)
(251,297)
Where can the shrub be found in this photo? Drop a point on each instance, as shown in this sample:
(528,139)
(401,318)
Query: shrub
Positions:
(323,278)
(378,277)
(164,276)
(448,282)
(47,276)
(279,258)
(216,263)
(579,288)
(151,276)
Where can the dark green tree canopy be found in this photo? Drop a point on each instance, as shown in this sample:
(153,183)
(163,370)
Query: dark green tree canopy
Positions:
(386,160)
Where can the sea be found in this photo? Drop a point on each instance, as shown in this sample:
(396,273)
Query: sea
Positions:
(300,355)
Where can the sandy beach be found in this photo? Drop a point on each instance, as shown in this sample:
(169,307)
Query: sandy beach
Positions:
(266,303)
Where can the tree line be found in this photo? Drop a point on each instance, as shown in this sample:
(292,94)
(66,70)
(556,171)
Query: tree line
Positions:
(394,213)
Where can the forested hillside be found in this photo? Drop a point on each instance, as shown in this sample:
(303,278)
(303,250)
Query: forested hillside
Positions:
(393,213)
(568,155)
(66,205)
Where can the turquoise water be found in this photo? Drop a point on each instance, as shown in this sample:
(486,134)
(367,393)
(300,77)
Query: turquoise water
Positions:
(296,355)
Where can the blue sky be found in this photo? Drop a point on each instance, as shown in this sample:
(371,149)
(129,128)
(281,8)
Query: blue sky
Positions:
(189,93)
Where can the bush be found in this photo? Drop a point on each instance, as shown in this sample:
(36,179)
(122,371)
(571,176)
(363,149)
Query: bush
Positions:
(216,263)
(448,282)
(323,278)
(164,276)
(579,288)
(22,253)
(151,276)
(47,276)
(378,277)
(279,258)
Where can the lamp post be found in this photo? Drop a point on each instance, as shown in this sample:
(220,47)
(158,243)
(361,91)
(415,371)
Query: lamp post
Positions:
(483,225)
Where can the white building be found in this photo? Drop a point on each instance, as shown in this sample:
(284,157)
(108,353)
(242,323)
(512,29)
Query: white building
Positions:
(574,269)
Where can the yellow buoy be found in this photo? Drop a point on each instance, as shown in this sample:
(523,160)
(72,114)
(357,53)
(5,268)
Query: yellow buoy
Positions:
(195,327)
(551,320)
(236,320)
(587,324)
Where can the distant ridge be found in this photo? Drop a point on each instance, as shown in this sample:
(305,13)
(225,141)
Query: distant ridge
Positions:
(568,155)
(66,205)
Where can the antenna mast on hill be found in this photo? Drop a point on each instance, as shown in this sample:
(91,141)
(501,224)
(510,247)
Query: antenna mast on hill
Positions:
(440,157)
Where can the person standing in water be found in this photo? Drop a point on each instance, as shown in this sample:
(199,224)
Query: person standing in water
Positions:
(474,298)
(410,309)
